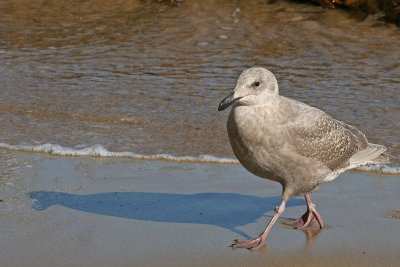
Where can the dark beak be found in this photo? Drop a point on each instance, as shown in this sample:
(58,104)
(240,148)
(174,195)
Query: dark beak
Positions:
(227,101)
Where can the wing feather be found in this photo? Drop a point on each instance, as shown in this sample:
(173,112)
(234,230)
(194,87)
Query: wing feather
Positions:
(317,135)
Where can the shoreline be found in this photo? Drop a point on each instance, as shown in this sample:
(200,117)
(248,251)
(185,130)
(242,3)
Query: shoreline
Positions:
(361,9)
(98,151)
(388,11)
(98,211)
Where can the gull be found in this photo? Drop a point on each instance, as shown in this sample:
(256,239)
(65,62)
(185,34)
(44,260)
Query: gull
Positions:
(287,141)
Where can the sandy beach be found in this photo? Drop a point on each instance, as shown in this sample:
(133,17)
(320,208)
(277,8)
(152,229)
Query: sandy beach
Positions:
(71,211)
(107,92)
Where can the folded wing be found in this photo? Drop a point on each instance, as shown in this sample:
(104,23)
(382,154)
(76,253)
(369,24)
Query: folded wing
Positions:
(337,145)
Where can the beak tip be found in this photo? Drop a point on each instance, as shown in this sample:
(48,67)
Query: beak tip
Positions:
(226,102)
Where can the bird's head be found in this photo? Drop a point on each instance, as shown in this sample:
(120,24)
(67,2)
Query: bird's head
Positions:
(253,87)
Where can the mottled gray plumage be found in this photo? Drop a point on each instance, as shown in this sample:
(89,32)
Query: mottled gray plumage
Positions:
(287,141)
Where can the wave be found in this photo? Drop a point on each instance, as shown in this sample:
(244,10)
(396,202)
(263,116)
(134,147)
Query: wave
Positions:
(100,151)
(384,169)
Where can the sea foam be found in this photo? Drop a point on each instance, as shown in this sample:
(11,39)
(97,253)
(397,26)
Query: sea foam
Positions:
(100,151)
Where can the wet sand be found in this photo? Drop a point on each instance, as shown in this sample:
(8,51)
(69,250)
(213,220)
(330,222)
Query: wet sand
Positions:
(58,211)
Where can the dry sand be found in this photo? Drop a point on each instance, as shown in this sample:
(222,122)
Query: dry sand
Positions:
(59,211)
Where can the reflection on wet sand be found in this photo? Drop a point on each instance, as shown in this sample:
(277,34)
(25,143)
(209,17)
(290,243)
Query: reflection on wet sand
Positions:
(394,214)
(311,233)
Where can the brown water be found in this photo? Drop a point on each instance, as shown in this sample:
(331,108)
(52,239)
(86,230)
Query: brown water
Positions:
(146,77)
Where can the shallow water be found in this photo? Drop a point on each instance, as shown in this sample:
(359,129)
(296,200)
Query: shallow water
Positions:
(146,78)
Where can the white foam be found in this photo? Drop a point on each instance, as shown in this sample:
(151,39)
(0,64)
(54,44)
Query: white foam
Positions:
(384,169)
(100,151)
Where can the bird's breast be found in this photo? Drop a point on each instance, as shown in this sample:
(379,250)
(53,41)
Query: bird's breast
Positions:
(250,140)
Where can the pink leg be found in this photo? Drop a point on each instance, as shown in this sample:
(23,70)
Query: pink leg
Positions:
(310,219)
(258,242)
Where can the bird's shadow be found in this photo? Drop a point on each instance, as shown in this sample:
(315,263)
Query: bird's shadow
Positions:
(226,210)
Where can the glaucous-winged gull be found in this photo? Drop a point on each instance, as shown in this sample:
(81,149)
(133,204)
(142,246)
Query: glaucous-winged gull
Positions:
(289,142)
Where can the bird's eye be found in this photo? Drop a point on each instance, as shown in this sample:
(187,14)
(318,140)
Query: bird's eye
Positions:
(256,84)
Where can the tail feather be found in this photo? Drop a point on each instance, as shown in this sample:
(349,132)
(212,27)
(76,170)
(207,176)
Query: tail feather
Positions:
(371,155)
(382,159)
